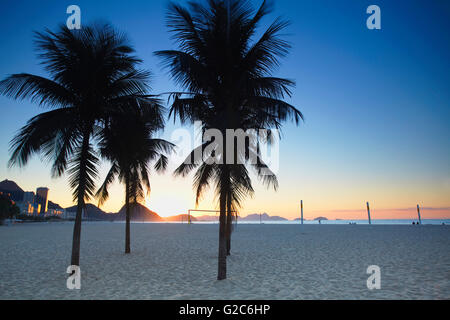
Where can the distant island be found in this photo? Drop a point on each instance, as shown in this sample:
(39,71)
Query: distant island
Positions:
(262,217)
(209,218)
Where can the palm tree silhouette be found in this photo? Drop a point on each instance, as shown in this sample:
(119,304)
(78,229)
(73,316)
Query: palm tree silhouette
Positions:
(228,83)
(128,144)
(92,74)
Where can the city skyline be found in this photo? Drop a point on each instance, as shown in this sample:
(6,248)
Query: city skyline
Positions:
(375,105)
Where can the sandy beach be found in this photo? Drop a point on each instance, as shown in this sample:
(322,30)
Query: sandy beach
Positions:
(179,261)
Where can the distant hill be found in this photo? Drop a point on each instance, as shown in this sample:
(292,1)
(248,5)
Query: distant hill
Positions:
(139,213)
(93,212)
(264,217)
(8,186)
(180,217)
(250,217)
(54,206)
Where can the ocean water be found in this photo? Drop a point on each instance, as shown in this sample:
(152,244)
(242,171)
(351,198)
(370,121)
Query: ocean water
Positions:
(343,222)
(374,221)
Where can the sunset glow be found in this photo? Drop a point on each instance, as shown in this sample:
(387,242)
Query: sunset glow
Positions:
(166,205)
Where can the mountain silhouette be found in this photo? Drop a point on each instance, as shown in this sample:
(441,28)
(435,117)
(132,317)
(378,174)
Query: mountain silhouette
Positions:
(263,217)
(138,213)
(55,206)
(10,187)
(92,212)
(250,217)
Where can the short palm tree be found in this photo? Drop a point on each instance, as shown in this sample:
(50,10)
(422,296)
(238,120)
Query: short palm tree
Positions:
(128,144)
(228,83)
(92,74)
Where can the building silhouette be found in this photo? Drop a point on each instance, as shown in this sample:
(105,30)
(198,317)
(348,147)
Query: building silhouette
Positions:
(41,199)
(28,196)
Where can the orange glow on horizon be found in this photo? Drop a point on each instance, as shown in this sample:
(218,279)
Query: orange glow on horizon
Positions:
(166,206)
(403,213)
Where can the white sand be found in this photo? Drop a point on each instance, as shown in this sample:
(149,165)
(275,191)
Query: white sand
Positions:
(174,261)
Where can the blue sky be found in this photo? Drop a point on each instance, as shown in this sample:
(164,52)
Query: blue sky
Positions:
(376,103)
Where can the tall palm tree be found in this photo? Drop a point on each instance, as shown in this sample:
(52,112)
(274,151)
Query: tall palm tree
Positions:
(228,83)
(92,73)
(128,144)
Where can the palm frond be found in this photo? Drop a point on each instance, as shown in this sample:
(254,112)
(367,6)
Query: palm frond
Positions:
(264,55)
(185,69)
(202,178)
(161,164)
(193,160)
(40,90)
(44,132)
(82,174)
(102,193)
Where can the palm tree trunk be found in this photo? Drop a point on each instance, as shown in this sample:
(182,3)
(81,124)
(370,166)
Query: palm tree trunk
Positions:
(75,260)
(127,210)
(222,265)
(229,224)
(224,190)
